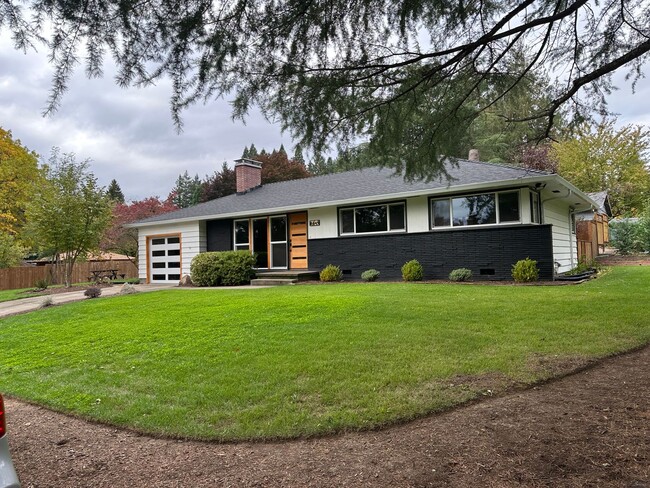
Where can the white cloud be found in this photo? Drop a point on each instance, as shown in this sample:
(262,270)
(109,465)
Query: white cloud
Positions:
(127,133)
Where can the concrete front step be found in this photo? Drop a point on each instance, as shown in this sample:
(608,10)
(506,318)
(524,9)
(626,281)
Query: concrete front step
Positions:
(273,281)
(299,275)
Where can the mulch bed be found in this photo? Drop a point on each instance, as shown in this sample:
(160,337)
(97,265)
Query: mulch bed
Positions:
(588,429)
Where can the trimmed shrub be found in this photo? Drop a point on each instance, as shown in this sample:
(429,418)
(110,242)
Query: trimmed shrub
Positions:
(460,274)
(93,292)
(412,271)
(525,271)
(370,275)
(226,268)
(331,273)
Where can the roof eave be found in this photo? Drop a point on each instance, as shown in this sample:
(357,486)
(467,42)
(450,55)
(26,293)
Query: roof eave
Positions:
(350,201)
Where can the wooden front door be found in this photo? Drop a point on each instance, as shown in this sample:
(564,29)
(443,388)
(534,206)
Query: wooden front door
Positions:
(298,241)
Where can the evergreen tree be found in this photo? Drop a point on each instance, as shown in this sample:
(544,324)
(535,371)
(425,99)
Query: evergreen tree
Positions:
(252,152)
(331,72)
(186,191)
(114,192)
(297,155)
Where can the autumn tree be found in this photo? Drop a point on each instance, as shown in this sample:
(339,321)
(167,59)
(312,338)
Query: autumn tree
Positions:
(69,212)
(602,157)
(277,166)
(409,78)
(124,240)
(220,184)
(114,192)
(19,173)
(11,251)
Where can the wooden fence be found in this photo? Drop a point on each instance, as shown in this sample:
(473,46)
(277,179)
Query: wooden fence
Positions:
(592,235)
(27,276)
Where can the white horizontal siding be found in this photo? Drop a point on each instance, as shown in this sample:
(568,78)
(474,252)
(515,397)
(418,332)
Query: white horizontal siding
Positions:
(556,213)
(193,241)
(328,223)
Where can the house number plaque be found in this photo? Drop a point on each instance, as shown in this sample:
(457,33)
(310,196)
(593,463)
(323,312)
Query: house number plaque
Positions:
(314,223)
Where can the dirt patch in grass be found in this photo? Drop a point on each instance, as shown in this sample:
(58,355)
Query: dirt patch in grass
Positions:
(588,429)
(642,259)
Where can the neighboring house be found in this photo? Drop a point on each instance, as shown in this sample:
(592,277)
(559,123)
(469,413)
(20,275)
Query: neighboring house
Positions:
(485,218)
(99,257)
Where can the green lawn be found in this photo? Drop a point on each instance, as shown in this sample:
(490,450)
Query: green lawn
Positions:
(308,360)
(6,295)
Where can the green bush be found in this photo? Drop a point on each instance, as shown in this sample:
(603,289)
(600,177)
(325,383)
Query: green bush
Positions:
(370,275)
(525,271)
(460,274)
(41,284)
(412,271)
(227,268)
(623,236)
(331,273)
(585,265)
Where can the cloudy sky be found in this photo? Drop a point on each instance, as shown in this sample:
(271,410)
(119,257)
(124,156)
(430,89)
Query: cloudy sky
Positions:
(129,135)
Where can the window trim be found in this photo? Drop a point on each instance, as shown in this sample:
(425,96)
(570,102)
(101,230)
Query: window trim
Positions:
(450,198)
(339,222)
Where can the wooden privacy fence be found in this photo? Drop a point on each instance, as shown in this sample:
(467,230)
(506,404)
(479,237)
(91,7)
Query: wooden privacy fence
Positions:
(27,276)
(592,235)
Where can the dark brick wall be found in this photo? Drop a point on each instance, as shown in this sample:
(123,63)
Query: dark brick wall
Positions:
(439,252)
(219,235)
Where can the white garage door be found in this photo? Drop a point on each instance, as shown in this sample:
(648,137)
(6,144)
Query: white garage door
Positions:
(165,259)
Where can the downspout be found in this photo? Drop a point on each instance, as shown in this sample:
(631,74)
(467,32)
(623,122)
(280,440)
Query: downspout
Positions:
(557,197)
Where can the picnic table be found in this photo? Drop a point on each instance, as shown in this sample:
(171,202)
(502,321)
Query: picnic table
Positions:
(99,274)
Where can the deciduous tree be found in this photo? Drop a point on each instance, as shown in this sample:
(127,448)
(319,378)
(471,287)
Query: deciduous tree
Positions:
(222,183)
(601,157)
(69,212)
(19,173)
(124,240)
(278,167)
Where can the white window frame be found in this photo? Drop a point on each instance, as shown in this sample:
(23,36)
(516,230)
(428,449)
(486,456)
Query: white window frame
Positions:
(451,210)
(354,221)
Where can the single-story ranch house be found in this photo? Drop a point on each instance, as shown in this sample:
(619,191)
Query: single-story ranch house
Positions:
(485,218)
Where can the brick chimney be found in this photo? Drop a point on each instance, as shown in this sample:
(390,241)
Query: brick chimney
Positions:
(248,174)
(473,155)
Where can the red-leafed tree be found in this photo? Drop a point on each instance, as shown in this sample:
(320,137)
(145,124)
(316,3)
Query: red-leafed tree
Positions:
(124,240)
(278,167)
(220,184)
(535,156)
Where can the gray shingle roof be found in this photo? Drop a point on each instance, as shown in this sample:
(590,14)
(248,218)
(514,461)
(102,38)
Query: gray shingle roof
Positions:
(368,182)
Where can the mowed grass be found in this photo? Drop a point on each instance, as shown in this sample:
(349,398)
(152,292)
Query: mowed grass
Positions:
(309,360)
(7,295)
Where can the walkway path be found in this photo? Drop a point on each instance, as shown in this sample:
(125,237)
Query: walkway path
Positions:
(22,305)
